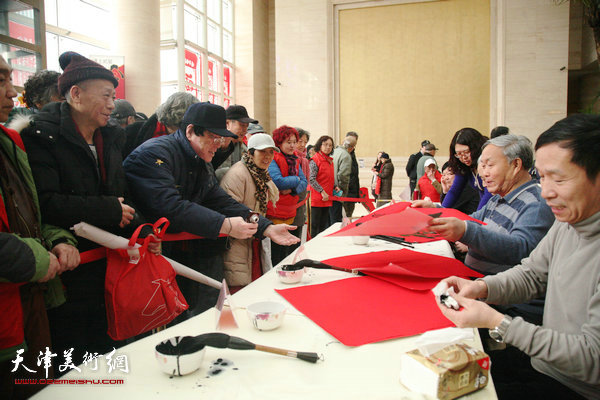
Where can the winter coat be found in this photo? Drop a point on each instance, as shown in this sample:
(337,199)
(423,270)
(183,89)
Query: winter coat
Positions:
(72,188)
(354,184)
(386,174)
(286,207)
(23,259)
(238,183)
(323,165)
(430,189)
(342,166)
(168,179)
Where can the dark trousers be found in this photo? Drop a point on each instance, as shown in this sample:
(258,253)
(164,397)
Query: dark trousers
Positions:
(515,378)
(279,252)
(349,207)
(412,184)
(206,257)
(319,220)
(335,212)
(80,323)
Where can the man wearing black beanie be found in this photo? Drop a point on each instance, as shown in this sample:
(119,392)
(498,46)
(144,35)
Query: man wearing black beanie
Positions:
(75,156)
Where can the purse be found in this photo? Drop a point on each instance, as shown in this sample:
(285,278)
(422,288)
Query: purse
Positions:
(141,292)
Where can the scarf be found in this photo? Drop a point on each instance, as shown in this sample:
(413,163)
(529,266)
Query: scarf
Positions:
(260,177)
(291,162)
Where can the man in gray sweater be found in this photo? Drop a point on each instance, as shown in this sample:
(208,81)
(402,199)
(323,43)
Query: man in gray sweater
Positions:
(565,266)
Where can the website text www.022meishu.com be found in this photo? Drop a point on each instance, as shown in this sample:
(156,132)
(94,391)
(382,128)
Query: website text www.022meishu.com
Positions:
(69,381)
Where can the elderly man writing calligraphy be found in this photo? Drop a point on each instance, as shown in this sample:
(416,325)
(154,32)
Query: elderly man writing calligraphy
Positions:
(171,177)
(516,217)
(565,266)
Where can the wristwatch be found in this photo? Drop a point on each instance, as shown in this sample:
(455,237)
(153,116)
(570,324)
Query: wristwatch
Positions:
(499,332)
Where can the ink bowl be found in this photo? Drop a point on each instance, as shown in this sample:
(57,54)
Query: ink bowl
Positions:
(266,315)
(175,358)
(360,240)
(289,275)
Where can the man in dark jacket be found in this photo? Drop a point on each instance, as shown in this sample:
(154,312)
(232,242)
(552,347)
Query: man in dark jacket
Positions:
(76,160)
(171,176)
(354,183)
(411,166)
(27,267)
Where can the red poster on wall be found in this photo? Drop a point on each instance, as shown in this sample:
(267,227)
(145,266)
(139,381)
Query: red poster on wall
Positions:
(227,81)
(191,72)
(22,65)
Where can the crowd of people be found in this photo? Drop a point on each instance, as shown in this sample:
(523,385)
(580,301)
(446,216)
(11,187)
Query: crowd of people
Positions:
(77,155)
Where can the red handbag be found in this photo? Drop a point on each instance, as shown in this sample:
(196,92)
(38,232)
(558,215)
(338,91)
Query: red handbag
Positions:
(140,288)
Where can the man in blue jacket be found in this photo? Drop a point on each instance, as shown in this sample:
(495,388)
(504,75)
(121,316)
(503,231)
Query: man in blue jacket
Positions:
(171,176)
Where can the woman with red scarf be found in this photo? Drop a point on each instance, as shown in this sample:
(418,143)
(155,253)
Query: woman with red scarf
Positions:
(321,185)
(286,173)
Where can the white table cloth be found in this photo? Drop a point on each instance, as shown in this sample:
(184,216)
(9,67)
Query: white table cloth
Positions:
(365,372)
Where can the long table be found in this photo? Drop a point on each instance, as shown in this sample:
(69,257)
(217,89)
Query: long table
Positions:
(365,372)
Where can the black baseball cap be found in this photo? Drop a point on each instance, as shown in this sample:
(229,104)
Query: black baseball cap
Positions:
(239,113)
(209,116)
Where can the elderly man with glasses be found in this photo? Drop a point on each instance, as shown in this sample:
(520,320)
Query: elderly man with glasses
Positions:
(171,176)
(516,217)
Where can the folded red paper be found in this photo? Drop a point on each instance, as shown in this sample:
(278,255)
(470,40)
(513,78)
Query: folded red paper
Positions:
(400,220)
(394,300)
(363,310)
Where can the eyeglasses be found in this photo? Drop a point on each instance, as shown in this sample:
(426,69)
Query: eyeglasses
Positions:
(461,154)
(218,139)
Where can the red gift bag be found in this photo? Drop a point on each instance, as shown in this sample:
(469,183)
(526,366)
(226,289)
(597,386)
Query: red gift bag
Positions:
(140,288)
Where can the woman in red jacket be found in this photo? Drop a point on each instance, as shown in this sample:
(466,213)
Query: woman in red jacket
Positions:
(286,173)
(430,184)
(321,185)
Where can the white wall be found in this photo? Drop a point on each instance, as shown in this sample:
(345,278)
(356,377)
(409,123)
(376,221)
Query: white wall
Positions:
(536,49)
(302,78)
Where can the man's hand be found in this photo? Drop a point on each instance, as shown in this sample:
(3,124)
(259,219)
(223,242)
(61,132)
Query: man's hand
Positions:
(468,288)
(452,229)
(67,255)
(422,204)
(237,228)
(127,213)
(324,196)
(472,313)
(53,268)
(280,234)
(285,191)
(154,245)
(463,248)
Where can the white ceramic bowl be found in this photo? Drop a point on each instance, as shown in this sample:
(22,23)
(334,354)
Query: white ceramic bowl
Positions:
(360,240)
(289,276)
(266,315)
(178,365)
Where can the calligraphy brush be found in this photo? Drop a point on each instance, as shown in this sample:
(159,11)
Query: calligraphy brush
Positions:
(191,344)
(314,264)
(392,239)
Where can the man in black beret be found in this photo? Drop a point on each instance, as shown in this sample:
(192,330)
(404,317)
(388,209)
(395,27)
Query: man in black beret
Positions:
(75,156)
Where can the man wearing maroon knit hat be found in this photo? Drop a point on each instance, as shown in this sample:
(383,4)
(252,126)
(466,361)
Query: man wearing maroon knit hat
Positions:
(75,155)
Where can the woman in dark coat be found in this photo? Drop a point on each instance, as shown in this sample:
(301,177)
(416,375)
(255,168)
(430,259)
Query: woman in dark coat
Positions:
(386,174)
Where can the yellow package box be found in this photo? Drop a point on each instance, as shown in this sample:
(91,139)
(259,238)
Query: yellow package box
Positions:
(455,370)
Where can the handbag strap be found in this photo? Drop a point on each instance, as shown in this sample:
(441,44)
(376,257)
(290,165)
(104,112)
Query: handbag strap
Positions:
(136,234)
(160,227)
